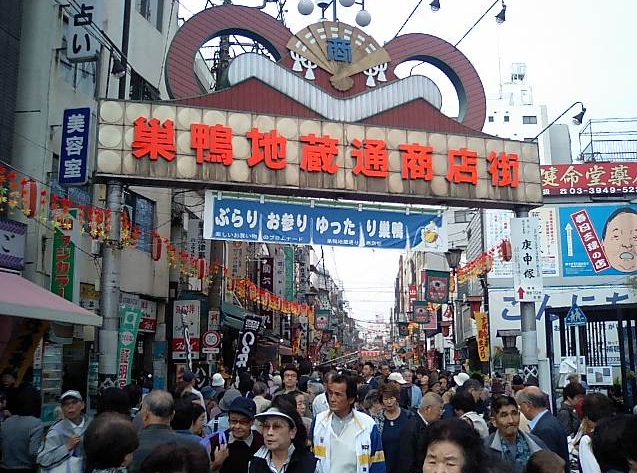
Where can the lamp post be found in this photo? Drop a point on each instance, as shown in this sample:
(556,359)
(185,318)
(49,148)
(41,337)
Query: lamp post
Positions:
(453,256)
(577,119)
(363,18)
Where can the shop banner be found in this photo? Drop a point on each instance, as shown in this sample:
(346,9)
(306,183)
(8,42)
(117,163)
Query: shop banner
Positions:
(245,344)
(186,330)
(413,295)
(482,327)
(436,286)
(322,319)
(426,314)
(403,329)
(129,319)
(299,224)
(599,240)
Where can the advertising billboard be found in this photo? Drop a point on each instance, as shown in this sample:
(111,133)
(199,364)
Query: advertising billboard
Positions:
(599,240)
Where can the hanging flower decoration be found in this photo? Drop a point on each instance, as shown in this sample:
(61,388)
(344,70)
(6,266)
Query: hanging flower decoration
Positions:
(53,210)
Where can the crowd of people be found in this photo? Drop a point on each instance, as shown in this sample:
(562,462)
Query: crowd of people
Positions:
(359,420)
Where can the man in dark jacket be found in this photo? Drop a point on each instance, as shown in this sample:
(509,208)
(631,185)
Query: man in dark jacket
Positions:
(543,424)
(566,414)
(414,434)
(232,449)
(157,410)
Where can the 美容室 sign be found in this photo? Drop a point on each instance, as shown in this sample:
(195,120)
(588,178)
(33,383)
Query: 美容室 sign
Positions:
(283,156)
(599,240)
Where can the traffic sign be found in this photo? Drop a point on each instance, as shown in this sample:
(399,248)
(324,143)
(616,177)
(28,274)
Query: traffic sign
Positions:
(575,317)
(527,260)
(211,339)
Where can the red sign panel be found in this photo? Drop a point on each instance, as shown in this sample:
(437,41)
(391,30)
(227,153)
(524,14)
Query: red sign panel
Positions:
(589,178)
(590,240)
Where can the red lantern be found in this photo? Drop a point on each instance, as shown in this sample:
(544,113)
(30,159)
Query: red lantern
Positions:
(202,266)
(29,197)
(505,250)
(155,246)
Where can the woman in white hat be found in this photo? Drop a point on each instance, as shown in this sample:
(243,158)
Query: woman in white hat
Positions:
(284,447)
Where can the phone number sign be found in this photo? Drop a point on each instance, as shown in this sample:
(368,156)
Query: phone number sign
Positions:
(589,178)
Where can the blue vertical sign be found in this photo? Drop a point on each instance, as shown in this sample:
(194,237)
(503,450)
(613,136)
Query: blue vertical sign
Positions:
(76,125)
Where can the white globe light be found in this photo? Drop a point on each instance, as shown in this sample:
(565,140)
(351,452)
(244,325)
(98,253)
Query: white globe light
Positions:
(363,18)
(305,7)
(347,3)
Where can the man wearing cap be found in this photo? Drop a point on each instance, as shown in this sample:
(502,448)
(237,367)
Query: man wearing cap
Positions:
(232,449)
(345,440)
(64,439)
(190,379)
(157,411)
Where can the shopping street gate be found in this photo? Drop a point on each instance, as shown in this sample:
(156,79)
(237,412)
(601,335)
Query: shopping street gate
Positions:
(326,118)
(175,146)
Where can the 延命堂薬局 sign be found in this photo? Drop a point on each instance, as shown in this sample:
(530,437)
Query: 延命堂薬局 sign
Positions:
(164,145)
(307,224)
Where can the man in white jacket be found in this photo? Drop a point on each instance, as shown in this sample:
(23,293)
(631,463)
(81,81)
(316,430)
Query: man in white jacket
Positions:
(63,441)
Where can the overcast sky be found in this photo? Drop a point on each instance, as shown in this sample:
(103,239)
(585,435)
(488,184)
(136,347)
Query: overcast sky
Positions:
(575,50)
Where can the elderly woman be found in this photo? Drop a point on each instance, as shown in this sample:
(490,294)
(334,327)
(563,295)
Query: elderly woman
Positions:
(284,450)
(453,446)
(391,421)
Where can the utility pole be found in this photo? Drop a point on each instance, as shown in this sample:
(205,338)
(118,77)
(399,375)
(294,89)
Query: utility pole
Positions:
(109,291)
(529,328)
(111,254)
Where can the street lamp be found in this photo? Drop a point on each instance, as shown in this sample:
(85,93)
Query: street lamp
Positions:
(453,256)
(363,18)
(435,5)
(577,119)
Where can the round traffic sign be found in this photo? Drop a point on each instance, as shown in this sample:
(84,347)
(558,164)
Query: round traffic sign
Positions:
(211,339)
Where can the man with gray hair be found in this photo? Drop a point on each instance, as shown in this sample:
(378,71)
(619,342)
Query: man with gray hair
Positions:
(543,424)
(414,434)
(157,411)
(314,388)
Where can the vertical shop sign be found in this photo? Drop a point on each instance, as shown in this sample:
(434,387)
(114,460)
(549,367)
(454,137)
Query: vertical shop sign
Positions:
(64,281)
(245,344)
(74,151)
(81,43)
(266,282)
(482,327)
(413,295)
(186,330)
(527,269)
(129,319)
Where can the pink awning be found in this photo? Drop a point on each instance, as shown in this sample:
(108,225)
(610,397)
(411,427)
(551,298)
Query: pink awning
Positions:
(19,297)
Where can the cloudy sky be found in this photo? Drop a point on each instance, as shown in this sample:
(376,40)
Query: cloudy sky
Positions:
(575,50)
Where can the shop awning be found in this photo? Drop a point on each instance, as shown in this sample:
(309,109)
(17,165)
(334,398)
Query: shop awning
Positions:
(19,297)
(232,315)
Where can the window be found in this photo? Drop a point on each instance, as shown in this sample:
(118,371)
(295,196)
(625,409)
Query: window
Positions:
(152,10)
(141,89)
(529,120)
(490,118)
(506,119)
(142,214)
(463,216)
